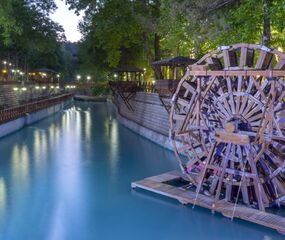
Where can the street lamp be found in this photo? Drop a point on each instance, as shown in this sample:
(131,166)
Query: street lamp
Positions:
(88,78)
(78,77)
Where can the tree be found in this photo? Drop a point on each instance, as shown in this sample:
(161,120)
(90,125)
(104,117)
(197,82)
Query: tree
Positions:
(115,30)
(31,39)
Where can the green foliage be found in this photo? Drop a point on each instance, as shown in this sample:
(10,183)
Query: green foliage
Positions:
(207,24)
(101,88)
(28,37)
(124,32)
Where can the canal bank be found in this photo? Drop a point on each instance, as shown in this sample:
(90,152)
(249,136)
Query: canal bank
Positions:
(18,117)
(147,117)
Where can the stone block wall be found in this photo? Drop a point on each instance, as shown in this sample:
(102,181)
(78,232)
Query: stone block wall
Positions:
(148,112)
(13,95)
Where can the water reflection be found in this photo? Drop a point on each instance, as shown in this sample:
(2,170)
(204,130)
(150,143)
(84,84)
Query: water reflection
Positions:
(3,199)
(40,148)
(88,124)
(68,175)
(20,166)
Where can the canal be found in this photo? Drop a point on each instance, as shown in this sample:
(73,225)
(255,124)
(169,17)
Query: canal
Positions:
(68,177)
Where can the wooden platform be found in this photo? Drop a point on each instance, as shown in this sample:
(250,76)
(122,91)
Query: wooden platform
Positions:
(157,184)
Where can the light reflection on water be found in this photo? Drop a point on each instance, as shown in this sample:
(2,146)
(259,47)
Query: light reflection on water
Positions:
(68,177)
(3,200)
(20,166)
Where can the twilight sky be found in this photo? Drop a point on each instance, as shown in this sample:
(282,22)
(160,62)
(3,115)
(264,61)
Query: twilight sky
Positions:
(69,21)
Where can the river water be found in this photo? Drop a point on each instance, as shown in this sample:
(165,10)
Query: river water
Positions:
(68,177)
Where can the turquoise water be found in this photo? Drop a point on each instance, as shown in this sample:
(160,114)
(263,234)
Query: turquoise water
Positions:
(68,177)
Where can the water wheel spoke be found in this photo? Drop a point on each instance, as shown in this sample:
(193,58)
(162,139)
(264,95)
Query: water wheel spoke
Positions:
(230,91)
(222,174)
(245,97)
(240,80)
(202,176)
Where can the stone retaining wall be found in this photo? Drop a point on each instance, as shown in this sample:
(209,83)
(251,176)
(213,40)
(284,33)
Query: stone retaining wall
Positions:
(148,112)
(11,95)
(149,118)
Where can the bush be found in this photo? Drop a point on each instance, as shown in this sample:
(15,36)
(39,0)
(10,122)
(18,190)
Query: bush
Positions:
(101,88)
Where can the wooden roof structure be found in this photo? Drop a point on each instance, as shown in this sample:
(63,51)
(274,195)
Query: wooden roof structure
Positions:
(172,69)
(128,73)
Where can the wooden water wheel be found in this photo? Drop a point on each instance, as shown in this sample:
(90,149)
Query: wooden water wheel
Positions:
(227,125)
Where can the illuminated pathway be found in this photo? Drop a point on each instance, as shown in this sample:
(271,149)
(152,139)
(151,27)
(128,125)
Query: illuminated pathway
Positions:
(68,177)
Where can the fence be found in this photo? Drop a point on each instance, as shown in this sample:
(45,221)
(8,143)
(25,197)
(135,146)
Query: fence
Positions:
(16,112)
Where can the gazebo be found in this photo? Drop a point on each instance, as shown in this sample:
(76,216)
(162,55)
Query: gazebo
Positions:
(128,73)
(44,75)
(126,82)
(172,70)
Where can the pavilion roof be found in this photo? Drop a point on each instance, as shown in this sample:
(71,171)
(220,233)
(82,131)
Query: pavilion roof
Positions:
(177,61)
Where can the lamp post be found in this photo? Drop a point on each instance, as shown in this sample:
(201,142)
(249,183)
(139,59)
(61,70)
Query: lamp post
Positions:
(58,77)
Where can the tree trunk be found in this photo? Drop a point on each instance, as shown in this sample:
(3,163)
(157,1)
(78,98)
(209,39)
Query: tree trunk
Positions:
(156,47)
(149,56)
(266,37)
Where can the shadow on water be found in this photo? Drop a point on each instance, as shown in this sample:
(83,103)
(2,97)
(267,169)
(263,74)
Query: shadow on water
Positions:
(69,176)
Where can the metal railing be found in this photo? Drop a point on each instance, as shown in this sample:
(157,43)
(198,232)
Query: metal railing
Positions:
(19,111)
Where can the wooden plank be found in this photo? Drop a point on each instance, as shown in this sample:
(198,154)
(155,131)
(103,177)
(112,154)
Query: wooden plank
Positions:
(264,60)
(235,138)
(186,196)
(199,67)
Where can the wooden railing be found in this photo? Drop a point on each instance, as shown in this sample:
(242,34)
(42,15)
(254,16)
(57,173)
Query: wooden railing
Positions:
(16,112)
(148,87)
(166,87)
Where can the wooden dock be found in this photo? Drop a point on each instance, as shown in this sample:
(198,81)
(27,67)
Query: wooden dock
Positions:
(157,184)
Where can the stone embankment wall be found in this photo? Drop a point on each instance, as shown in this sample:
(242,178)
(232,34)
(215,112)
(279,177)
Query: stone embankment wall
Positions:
(12,95)
(148,118)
